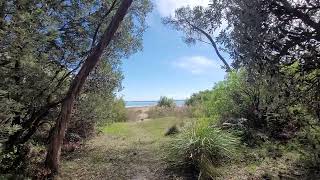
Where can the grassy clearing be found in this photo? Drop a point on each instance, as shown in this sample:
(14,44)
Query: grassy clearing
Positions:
(118,129)
(129,150)
(134,150)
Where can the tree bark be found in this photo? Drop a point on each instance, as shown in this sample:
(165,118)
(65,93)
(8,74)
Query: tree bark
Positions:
(2,13)
(57,135)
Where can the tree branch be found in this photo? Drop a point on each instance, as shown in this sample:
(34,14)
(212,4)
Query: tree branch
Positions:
(228,68)
(304,17)
(99,25)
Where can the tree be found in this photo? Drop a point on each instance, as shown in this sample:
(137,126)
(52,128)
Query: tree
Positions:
(42,49)
(53,154)
(270,36)
(97,104)
(197,25)
(270,39)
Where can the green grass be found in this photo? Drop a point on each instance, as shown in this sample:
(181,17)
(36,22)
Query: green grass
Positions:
(157,127)
(122,151)
(118,129)
(134,150)
(154,128)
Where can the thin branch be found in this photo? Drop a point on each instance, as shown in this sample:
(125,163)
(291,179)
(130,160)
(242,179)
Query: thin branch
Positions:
(212,43)
(204,41)
(99,25)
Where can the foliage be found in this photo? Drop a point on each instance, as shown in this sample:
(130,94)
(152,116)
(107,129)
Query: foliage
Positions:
(119,110)
(166,102)
(97,103)
(204,146)
(275,43)
(198,24)
(308,140)
(43,44)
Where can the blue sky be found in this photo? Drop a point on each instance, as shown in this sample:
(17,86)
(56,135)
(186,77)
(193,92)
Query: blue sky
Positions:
(167,66)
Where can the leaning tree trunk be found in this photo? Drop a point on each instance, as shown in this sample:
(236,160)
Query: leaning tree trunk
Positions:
(57,134)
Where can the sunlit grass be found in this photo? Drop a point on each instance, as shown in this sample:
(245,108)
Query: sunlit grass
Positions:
(120,145)
(154,128)
(118,129)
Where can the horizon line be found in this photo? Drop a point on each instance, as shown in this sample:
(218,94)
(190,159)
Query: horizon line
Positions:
(151,100)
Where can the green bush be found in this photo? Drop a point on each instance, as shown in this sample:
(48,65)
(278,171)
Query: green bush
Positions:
(309,142)
(203,146)
(166,102)
(228,98)
(90,114)
(119,112)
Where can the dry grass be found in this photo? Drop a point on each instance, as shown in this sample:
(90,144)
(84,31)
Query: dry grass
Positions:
(131,150)
(178,112)
(137,113)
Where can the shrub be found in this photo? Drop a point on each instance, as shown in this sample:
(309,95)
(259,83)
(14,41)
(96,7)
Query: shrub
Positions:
(203,147)
(228,98)
(166,102)
(172,130)
(119,112)
(309,145)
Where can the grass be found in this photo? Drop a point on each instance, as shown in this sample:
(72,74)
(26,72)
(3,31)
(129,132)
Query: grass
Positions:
(134,150)
(257,164)
(117,129)
(131,150)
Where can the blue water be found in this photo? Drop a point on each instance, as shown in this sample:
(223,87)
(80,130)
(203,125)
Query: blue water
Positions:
(149,103)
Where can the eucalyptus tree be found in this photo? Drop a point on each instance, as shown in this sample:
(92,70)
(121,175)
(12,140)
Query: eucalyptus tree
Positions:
(57,136)
(43,45)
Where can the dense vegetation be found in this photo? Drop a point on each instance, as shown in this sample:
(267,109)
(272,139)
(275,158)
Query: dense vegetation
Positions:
(269,99)
(48,49)
(60,67)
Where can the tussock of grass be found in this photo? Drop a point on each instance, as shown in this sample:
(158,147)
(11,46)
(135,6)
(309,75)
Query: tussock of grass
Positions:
(203,147)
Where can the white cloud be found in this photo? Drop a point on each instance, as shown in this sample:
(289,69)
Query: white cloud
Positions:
(196,64)
(167,7)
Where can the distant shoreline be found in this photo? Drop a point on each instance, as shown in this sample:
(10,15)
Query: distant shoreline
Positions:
(156,100)
(141,104)
(138,107)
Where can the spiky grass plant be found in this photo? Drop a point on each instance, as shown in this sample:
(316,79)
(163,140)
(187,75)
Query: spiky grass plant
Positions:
(204,147)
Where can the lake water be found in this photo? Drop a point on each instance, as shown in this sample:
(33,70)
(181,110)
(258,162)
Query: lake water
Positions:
(149,103)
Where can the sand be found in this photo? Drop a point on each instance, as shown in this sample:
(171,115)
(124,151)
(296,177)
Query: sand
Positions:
(138,113)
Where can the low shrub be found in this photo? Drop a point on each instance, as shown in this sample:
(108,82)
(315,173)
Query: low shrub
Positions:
(309,141)
(172,130)
(166,102)
(203,147)
(119,112)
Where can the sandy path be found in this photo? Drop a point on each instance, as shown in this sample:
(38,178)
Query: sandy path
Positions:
(138,113)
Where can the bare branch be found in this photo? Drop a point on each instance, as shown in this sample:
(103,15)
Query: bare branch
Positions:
(212,43)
